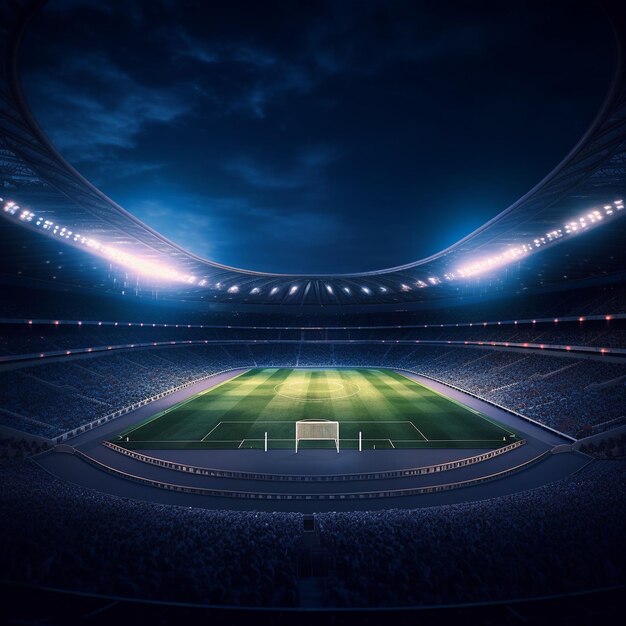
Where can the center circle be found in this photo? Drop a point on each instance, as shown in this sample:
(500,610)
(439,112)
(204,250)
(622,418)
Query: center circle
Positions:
(310,392)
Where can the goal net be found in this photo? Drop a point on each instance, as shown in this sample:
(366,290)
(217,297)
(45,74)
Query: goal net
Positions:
(317,430)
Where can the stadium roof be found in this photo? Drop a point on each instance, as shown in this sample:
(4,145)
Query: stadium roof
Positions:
(57,226)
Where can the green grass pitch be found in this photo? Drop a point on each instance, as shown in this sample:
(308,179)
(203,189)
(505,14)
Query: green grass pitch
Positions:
(389,409)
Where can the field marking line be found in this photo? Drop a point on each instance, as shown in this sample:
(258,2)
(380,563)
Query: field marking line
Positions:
(241,444)
(258,421)
(212,429)
(459,440)
(178,405)
(418,430)
(457,402)
(175,441)
(391,442)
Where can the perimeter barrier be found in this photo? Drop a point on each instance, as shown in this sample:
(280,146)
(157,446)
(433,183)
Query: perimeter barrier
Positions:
(384,474)
(364,495)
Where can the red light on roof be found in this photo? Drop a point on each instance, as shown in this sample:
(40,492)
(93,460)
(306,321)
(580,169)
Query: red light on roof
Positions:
(608,317)
(581,319)
(56,322)
(568,348)
(30,321)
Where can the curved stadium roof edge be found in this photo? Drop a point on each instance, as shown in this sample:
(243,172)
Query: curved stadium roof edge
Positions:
(592,171)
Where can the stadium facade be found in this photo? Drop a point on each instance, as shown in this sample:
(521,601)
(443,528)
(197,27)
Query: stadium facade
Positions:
(517,332)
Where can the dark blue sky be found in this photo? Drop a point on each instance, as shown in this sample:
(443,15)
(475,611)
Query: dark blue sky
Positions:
(316,136)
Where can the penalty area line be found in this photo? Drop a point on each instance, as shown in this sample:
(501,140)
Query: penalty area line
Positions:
(212,429)
(418,430)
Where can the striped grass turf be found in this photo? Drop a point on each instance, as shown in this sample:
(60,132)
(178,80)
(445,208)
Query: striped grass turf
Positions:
(390,410)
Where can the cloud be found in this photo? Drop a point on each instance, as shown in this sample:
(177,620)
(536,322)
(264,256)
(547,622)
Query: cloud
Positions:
(304,170)
(93,106)
(264,176)
(187,219)
(186,45)
(220,228)
(258,75)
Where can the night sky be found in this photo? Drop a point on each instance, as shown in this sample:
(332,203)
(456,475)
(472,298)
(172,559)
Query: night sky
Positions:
(316,136)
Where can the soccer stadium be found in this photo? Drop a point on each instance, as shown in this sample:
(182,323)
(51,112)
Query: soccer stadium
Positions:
(184,440)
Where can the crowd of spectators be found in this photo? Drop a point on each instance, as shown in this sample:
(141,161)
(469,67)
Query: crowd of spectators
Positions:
(560,538)
(60,535)
(21,448)
(569,394)
(572,395)
(25,339)
(563,537)
(606,448)
(50,399)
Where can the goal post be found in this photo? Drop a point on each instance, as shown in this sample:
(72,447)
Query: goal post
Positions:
(317,430)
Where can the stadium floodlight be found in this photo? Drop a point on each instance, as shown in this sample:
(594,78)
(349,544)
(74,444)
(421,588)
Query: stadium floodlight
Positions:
(572,227)
(329,289)
(365,290)
(293,289)
(255,290)
(233,289)
(273,291)
(347,290)
(137,264)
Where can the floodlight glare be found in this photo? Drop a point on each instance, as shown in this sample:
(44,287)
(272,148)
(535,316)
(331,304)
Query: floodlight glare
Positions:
(139,265)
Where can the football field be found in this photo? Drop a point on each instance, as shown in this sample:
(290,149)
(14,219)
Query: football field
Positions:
(389,409)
